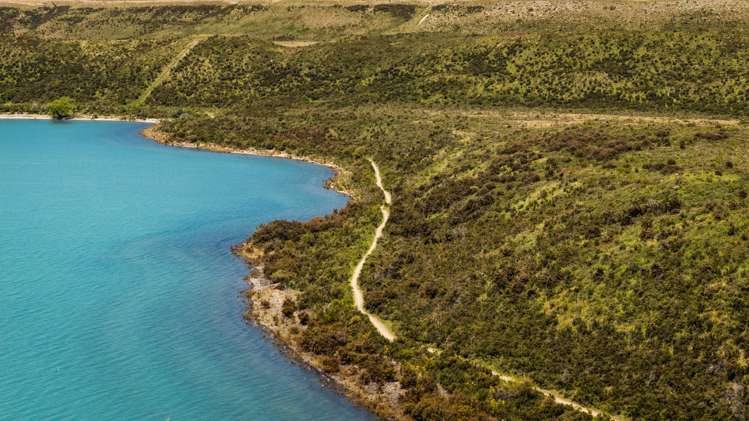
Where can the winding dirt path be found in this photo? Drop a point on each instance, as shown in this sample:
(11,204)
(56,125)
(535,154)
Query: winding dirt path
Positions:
(388,334)
(381,327)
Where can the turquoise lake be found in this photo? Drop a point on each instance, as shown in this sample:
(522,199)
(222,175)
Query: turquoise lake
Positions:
(119,295)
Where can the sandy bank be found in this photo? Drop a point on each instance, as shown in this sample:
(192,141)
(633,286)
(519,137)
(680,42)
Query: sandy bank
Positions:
(24,116)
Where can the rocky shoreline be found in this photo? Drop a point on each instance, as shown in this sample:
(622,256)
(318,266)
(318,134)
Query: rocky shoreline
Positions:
(265,300)
(265,308)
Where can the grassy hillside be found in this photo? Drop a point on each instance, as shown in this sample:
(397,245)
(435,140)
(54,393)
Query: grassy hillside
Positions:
(700,71)
(570,183)
(319,22)
(102,73)
(603,258)
(669,71)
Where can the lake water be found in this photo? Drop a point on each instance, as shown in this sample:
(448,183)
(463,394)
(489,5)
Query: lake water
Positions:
(119,296)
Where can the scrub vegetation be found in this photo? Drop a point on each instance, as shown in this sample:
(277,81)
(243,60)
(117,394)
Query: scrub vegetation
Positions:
(62,108)
(607,259)
(569,186)
(702,71)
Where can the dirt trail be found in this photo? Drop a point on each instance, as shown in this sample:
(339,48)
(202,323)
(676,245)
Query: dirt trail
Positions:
(381,327)
(555,119)
(560,399)
(556,396)
(388,334)
(166,71)
(296,43)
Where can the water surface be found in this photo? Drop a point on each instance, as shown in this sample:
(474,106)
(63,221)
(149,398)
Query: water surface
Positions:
(119,297)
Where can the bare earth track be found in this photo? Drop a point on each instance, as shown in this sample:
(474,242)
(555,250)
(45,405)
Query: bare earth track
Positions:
(166,72)
(388,333)
(381,327)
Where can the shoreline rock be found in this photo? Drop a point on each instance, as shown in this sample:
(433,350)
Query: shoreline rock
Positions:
(265,309)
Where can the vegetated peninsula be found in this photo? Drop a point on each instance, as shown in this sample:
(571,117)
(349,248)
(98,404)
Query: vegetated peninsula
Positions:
(567,232)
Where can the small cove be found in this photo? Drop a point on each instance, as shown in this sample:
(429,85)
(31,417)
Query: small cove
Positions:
(119,295)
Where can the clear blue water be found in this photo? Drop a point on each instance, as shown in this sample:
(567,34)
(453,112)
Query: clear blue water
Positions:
(119,296)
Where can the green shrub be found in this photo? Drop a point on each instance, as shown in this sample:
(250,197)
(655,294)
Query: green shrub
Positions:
(62,108)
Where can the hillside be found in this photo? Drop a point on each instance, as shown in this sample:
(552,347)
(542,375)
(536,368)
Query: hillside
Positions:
(569,184)
(603,257)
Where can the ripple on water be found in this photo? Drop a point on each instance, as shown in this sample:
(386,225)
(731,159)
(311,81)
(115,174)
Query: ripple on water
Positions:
(119,297)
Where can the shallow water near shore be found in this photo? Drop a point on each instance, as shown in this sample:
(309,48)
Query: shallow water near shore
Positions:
(119,295)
